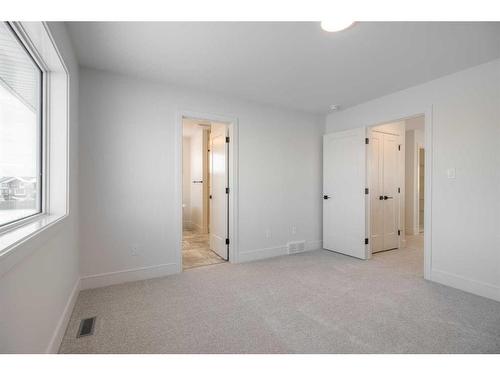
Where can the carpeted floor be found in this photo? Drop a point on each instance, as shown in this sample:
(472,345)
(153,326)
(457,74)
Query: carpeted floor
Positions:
(315,302)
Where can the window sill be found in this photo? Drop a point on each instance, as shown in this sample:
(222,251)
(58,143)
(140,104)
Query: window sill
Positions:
(18,243)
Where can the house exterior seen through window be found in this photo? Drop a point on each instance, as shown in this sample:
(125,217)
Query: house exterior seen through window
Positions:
(20,130)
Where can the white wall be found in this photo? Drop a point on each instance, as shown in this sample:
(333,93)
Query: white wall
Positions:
(127,175)
(419,137)
(396,128)
(415,138)
(410,183)
(465,136)
(35,293)
(186,182)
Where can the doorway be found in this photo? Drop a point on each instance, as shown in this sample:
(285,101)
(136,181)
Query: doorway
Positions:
(396,176)
(205,192)
(367,192)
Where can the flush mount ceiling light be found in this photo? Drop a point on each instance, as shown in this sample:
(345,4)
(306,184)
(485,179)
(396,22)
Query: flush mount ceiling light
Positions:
(334,107)
(336,25)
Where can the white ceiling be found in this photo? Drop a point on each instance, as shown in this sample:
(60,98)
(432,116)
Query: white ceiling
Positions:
(289,64)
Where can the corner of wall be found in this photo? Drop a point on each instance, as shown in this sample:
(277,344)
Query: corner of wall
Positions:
(55,341)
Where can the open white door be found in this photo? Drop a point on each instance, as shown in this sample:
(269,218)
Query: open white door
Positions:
(218,196)
(344,182)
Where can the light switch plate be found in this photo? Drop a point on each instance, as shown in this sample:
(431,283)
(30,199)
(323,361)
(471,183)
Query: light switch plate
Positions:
(450,172)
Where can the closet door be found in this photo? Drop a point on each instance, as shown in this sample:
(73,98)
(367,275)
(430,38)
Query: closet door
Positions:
(384,196)
(390,188)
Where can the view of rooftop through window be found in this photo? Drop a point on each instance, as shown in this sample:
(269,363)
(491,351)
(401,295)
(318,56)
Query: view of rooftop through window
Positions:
(20,130)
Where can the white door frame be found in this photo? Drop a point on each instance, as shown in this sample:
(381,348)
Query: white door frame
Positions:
(427,113)
(233,179)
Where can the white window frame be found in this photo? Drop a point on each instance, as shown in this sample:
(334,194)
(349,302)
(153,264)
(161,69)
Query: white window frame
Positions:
(21,238)
(42,112)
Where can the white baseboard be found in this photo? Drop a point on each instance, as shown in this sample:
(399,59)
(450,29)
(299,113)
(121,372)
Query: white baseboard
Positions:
(55,342)
(272,252)
(314,245)
(269,252)
(468,285)
(135,274)
(96,281)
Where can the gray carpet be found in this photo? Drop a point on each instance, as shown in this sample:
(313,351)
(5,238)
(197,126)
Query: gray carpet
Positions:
(316,302)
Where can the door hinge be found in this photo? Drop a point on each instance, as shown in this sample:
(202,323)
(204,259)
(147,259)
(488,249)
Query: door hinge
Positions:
(227,139)
(367,141)
(210,196)
(399,147)
(399,190)
(366,241)
(367,191)
(399,232)
(227,241)
(227,190)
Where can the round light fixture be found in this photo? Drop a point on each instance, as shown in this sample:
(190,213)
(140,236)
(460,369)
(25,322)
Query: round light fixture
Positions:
(334,107)
(335,25)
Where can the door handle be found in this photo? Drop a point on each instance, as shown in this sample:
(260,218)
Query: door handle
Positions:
(387,197)
(326,196)
(381,197)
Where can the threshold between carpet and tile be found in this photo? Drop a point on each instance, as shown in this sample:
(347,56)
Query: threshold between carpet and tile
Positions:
(314,302)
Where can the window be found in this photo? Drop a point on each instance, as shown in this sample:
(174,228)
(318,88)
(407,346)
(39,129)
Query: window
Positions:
(20,130)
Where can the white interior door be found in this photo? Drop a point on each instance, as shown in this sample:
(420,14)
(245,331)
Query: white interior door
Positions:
(391,196)
(376,169)
(384,197)
(344,182)
(218,184)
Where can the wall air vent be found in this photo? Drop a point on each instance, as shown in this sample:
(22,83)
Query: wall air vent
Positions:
(86,327)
